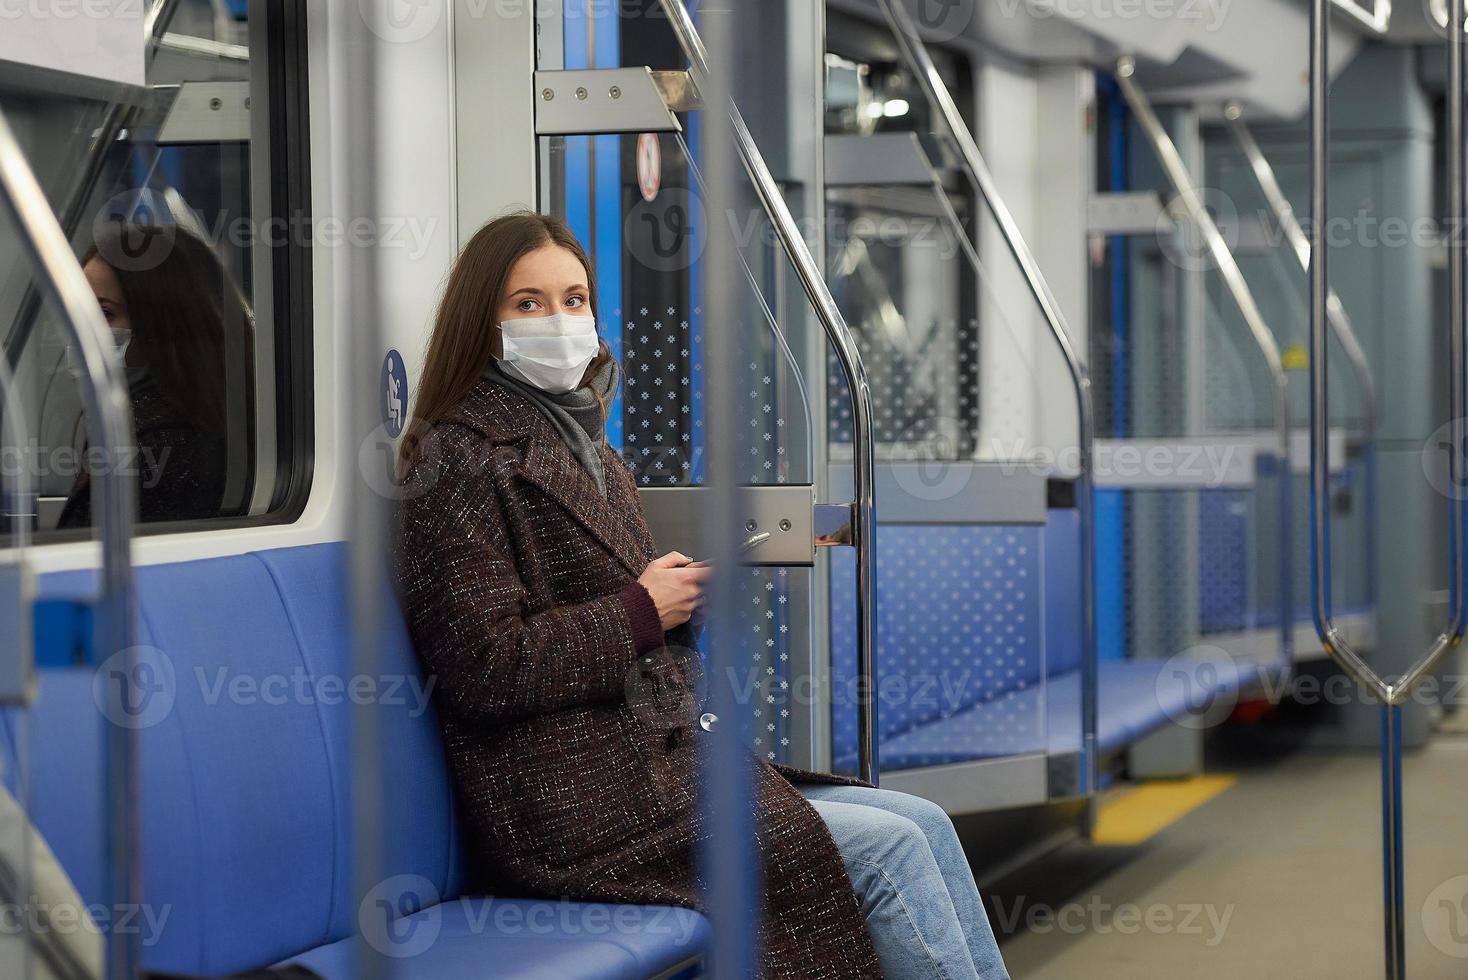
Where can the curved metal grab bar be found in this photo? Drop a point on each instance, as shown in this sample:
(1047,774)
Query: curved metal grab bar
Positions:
(1391,694)
(117,117)
(915,53)
(1238,289)
(1335,643)
(864,463)
(105,396)
(1284,216)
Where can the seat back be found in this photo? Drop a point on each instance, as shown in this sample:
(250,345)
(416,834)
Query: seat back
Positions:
(244,729)
(961,620)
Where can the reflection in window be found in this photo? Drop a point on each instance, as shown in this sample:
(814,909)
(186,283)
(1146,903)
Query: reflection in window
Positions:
(185,336)
(177,206)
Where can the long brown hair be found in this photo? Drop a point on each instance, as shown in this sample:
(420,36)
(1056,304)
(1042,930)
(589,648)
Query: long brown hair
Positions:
(466,331)
(191,324)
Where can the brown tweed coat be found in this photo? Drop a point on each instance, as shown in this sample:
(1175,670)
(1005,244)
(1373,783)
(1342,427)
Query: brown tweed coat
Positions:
(574,756)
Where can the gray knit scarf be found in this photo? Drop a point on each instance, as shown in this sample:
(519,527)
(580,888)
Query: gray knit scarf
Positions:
(577,415)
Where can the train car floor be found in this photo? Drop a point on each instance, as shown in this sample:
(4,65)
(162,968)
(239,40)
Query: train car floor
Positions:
(1276,874)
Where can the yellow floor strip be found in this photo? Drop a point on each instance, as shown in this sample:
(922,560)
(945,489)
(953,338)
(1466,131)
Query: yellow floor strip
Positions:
(1135,815)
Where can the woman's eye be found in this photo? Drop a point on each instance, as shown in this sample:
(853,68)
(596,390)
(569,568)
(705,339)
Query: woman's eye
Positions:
(575,301)
(527,305)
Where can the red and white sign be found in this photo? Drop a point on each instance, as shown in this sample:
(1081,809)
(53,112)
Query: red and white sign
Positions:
(649,166)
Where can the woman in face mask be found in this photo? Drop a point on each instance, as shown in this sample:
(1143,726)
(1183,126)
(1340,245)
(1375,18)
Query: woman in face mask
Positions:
(185,336)
(561,653)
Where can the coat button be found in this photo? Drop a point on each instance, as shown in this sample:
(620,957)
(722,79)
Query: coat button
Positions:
(707,721)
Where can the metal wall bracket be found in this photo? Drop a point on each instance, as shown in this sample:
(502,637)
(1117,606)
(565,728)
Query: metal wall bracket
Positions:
(776,522)
(208,112)
(611,100)
(1125,213)
(953,491)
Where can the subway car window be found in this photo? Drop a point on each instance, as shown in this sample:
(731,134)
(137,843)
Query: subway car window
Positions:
(181,189)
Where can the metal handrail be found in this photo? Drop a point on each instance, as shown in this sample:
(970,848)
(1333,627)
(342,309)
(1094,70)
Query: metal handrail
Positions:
(915,53)
(1284,215)
(1335,643)
(115,119)
(104,392)
(1391,694)
(841,339)
(1264,339)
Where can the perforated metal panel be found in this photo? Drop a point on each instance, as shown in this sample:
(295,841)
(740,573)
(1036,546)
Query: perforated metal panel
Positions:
(905,290)
(657,405)
(960,622)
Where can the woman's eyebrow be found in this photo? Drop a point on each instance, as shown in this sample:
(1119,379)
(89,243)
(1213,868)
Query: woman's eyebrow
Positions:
(579,288)
(532,290)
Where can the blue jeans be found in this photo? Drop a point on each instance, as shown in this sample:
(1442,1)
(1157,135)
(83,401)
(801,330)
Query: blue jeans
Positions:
(917,894)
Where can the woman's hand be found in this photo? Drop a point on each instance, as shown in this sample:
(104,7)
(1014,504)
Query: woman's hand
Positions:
(676,585)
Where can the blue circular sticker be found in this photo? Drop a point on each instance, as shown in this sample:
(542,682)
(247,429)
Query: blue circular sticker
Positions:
(393,394)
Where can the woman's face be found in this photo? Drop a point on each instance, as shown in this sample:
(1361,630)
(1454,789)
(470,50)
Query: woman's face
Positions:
(108,290)
(544,282)
(109,294)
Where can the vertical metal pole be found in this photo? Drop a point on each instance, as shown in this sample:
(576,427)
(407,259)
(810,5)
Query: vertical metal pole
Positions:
(1391,842)
(109,424)
(727,787)
(1391,695)
(1457,312)
(370,514)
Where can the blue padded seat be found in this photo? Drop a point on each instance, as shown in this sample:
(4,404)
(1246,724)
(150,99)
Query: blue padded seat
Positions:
(966,605)
(1135,698)
(474,938)
(245,767)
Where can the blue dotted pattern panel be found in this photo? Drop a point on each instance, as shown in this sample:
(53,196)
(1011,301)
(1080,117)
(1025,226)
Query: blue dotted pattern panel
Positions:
(1224,555)
(960,622)
(1064,617)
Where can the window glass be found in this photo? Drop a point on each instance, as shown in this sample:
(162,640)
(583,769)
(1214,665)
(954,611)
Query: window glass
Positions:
(182,198)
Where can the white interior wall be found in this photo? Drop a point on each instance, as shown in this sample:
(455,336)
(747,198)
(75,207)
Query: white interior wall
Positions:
(1027,400)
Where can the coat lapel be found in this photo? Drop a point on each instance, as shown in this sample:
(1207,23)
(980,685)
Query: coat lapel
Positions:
(614,521)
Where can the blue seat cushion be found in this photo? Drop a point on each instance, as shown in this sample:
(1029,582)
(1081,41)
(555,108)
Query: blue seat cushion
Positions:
(1134,699)
(243,718)
(526,939)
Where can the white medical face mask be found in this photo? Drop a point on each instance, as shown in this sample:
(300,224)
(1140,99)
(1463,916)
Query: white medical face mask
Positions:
(121,339)
(549,352)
